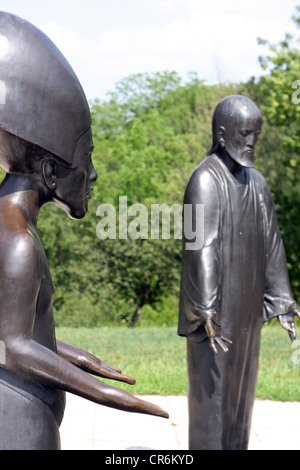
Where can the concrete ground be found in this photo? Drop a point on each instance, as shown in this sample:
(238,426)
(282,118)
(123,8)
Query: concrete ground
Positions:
(86,426)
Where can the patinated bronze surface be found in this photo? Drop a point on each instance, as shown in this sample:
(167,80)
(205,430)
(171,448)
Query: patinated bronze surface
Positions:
(233,284)
(45,148)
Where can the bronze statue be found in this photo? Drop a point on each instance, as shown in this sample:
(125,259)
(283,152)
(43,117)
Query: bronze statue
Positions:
(233,284)
(45,149)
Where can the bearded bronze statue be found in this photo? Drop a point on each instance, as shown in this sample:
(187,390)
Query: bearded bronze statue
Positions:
(233,283)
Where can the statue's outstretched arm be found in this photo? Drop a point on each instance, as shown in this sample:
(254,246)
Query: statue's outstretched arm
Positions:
(21,279)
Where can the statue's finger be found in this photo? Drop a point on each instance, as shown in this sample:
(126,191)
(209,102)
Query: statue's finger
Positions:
(109,366)
(116,398)
(213,346)
(226,339)
(119,377)
(221,344)
(106,373)
(292,332)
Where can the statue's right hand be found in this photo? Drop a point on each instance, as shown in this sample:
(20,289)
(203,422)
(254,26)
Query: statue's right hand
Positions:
(216,339)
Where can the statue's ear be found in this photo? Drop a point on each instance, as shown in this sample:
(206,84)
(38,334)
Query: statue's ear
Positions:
(49,171)
(221,136)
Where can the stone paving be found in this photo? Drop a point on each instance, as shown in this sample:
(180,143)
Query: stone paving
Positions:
(87,426)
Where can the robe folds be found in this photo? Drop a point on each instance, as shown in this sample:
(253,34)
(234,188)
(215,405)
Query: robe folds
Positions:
(31,414)
(239,279)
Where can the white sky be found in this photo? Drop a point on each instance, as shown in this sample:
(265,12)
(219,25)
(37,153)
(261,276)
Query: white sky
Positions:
(107,40)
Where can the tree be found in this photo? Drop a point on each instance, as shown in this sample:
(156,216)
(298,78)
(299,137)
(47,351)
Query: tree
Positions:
(133,140)
(277,93)
(148,138)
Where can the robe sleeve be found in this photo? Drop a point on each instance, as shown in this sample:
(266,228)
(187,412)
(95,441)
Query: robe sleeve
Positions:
(278,298)
(200,277)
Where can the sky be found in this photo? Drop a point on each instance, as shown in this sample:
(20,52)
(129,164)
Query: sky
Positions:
(108,40)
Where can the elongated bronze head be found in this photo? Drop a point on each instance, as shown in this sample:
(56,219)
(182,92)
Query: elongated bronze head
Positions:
(41,99)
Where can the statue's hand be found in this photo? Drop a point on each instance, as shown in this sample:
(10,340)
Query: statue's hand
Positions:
(287,322)
(215,338)
(97,391)
(91,364)
(95,366)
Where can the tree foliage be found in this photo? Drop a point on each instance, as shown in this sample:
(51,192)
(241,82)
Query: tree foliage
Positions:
(150,133)
(148,138)
(278,93)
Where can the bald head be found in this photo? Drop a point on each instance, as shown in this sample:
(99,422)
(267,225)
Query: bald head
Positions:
(236,126)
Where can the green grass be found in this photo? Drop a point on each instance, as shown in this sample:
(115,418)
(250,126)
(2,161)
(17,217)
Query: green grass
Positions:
(278,377)
(156,358)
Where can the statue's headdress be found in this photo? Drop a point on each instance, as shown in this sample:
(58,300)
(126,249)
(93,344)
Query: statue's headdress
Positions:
(41,99)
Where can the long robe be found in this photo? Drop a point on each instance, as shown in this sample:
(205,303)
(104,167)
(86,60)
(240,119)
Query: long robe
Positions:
(239,279)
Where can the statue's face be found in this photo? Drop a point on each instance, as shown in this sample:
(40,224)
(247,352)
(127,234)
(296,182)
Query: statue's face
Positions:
(74,185)
(241,135)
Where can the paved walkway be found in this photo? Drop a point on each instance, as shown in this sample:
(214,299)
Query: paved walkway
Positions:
(86,426)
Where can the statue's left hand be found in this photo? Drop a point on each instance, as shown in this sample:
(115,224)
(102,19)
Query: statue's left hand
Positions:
(95,366)
(287,322)
(91,364)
